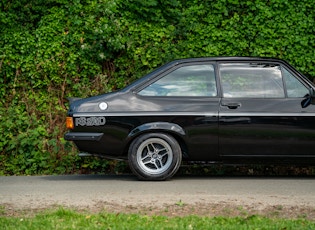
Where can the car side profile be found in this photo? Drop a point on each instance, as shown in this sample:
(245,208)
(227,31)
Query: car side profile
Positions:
(224,109)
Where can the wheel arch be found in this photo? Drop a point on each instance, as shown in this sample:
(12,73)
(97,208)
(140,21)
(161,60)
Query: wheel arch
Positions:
(172,129)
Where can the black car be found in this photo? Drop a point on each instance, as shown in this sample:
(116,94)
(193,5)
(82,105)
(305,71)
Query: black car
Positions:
(225,110)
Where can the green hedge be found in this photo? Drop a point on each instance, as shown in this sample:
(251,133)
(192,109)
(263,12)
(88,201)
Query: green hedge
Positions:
(54,49)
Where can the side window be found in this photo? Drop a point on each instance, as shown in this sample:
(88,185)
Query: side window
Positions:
(251,80)
(294,87)
(186,81)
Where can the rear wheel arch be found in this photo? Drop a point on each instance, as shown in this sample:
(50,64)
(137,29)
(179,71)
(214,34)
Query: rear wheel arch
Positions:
(172,129)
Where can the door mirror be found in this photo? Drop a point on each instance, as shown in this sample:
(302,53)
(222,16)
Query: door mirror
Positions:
(309,99)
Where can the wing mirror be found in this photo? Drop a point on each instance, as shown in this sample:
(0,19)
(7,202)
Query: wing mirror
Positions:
(309,99)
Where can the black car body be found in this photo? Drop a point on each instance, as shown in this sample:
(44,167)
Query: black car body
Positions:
(226,109)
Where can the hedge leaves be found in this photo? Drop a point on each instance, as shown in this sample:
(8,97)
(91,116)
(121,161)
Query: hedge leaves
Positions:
(54,49)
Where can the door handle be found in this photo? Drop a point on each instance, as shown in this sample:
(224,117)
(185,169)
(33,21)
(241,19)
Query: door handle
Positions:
(233,105)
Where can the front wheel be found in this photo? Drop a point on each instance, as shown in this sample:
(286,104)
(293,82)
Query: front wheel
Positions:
(154,156)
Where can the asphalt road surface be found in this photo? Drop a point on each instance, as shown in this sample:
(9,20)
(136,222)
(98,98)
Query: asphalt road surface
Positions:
(28,192)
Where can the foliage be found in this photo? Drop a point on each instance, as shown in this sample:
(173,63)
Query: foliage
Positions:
(54,49)
(67,219)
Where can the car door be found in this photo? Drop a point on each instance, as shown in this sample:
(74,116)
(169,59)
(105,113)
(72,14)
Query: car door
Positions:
(261,113)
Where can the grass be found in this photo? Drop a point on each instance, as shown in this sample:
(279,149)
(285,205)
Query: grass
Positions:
(69,219)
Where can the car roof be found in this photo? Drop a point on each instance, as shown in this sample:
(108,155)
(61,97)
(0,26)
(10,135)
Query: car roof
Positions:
(225,58)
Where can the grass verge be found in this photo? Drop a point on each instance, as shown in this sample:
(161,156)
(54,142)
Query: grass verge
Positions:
(69,219)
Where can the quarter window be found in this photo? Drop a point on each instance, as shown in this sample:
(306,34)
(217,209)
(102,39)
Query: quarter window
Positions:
(294,87)
(251,80)
(186,81)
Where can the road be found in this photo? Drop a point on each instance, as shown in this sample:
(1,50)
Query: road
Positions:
(31,192)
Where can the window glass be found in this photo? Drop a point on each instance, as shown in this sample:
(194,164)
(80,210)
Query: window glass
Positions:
(186,81)
(251,80)
(294,87)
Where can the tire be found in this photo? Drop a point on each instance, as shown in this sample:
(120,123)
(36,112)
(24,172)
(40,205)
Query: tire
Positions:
(154,156)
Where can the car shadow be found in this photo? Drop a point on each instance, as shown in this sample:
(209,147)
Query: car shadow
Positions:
(206,172)
(130,177)
(246,171)
(90,177)
(242,177)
